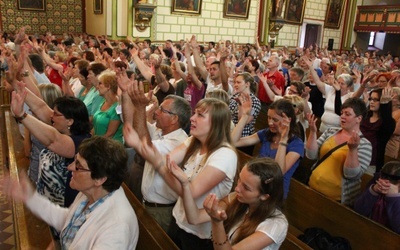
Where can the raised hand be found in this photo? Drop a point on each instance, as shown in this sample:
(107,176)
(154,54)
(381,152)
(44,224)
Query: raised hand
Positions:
(386,95)
(136,93)
(245,103)
(210,204)
(176,171)
(124,83)
(17,102)
(312,122)
(20,190)
(284,126)
(354,140)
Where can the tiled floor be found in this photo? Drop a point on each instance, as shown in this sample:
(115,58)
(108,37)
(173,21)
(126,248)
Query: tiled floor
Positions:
(7,240)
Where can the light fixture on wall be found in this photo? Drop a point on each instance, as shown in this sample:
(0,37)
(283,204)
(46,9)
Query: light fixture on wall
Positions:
(144,11)
(275,26)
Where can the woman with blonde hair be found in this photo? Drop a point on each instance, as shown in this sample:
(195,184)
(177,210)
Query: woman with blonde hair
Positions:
(244,84)
(49,92)
(54,66)
(208,160)
(301,121)
(106,121)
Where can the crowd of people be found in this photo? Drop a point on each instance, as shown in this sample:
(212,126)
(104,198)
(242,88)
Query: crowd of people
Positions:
(183,110)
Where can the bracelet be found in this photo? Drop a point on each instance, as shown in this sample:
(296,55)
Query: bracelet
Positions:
(217,243)
(20,118)
(283,144)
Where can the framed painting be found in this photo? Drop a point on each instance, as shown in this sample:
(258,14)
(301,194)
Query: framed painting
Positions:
(334,13)
(98,6)
(186,7)
(236,9)
(37,5)
(294,11)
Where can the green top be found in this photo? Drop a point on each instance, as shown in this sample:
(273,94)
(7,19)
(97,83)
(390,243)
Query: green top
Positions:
(101,119)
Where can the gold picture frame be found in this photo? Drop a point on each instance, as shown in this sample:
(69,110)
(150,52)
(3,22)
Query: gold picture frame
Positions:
(294,11)
(35,5)
(186,7)
(334,13)
(238,9)
(98,7)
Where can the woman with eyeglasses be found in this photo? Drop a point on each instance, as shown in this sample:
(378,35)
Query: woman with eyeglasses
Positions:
(379,125)
(60,130)
(343,154)
(381,200)
(208,160)
(101,216)
(244,84)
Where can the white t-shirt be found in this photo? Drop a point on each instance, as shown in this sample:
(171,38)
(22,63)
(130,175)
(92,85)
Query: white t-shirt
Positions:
(274,227)
(211,86)
(225,160)
(154,188)
(330,118)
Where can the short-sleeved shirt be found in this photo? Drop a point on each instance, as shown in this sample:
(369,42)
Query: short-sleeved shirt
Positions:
(92,100)
(154,188)
(101,120)
(255,107)
(295,144)
(279,82)
(223,159)
(211,86)
(275,227)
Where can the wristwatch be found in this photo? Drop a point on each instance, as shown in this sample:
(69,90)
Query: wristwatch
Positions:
(20,118)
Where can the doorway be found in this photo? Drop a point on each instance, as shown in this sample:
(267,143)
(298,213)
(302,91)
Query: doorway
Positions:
(311,35)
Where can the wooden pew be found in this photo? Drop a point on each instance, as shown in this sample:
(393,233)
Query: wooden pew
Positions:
(293,243)
(307,208)
(30,232)
(151,235)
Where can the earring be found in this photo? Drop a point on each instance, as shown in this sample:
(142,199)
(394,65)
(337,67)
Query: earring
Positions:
(69,127)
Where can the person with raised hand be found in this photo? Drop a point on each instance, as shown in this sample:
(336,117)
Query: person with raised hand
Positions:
(248,218)
(343,154)
(279,141)
(101,216)
(208,159)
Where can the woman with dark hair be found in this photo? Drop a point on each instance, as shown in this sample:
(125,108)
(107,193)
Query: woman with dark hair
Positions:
(344,154)
(378,125)
(249,218)
(208,160)
(279,141)
(384,189)
(60,130)
(89,94)
(100,217)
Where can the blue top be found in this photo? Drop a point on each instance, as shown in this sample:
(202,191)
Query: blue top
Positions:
(295,144)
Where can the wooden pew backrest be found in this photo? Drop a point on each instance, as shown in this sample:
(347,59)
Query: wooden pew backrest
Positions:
(151,235)
(30,232)
(307,208)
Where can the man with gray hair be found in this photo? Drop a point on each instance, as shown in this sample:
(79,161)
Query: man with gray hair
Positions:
(171,117)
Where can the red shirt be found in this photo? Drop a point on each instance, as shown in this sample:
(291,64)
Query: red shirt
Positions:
(54,77)
(279,82)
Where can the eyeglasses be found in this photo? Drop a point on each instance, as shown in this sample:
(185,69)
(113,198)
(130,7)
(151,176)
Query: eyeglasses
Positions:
(166,111)
(373,99)
(78,166)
